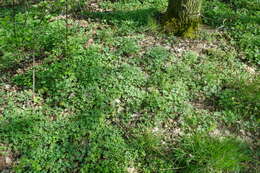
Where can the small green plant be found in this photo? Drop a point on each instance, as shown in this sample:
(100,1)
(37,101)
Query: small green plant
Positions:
(155,57)
(152,153)
(129,47)
(244,101)
(202,153)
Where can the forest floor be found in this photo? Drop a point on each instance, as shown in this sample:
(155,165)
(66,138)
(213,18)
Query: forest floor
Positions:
(114,93)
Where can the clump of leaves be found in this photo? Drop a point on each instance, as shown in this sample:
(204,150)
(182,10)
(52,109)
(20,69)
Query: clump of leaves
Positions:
(239,21)
(152,153)
(129,47)
(155,58)
(242,99)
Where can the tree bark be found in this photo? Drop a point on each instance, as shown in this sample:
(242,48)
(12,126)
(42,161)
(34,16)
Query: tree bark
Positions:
(183,17)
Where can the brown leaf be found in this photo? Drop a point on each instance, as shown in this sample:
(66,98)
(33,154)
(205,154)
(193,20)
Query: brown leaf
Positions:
(5,161)
(88,43)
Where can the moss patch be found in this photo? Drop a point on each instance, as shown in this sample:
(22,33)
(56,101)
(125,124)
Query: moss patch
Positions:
(178,27)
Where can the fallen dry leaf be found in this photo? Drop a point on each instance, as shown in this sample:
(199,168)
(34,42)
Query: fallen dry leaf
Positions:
(89,42)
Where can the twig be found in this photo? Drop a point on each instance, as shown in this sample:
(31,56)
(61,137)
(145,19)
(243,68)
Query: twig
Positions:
(14,20)
(33,87)
(66,34)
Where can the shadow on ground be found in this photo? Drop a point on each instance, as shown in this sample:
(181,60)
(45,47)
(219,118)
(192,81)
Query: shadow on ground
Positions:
(136,17)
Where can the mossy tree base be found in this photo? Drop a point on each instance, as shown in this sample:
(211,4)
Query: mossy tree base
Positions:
(183,17)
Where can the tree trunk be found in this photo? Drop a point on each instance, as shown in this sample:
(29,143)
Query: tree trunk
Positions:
(183,17)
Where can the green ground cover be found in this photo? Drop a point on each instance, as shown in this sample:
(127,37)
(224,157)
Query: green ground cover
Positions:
(122,96)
